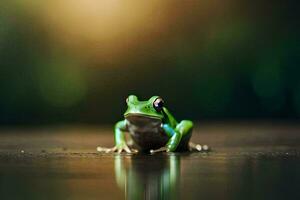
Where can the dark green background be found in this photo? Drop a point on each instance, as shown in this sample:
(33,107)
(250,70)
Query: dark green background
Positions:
(216,59)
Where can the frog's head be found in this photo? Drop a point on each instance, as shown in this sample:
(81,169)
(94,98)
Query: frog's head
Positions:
(153,108)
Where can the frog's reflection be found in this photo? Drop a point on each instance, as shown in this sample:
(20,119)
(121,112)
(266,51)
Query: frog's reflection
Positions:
(148,177)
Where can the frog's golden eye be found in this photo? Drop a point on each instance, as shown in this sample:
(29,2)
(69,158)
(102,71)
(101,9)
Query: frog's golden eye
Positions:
(158,104)
(127,100)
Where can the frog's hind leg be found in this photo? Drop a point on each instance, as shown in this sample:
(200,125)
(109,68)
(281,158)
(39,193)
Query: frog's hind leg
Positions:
(185,127)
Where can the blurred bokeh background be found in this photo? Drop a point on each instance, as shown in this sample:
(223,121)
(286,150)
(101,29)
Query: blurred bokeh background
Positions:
(65,61)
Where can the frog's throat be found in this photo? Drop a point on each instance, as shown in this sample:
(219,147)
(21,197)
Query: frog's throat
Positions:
(142,115)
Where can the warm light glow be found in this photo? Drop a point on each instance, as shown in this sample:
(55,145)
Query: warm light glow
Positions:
(106,23)
(108,31)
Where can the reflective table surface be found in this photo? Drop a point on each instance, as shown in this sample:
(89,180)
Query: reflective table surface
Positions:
(247,161)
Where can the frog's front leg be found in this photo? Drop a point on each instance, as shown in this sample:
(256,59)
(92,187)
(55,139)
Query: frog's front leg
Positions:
(179,136)
(175,138)
(120,141)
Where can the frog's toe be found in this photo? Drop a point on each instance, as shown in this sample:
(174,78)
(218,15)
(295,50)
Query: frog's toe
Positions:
(106,150)
(130,150)
(120,150)
(134,150)
(198,147)
(126,149)
(117,149)
(205,147)
(162,149)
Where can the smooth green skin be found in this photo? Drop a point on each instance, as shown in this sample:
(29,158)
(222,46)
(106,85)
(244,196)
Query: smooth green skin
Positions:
(177,132)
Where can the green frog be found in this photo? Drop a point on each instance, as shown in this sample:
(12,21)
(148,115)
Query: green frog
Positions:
(152,129)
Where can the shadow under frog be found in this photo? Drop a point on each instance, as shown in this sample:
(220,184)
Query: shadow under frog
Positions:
(148,177)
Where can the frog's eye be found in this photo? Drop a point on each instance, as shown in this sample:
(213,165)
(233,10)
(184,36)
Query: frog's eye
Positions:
(127,100)
(158,104)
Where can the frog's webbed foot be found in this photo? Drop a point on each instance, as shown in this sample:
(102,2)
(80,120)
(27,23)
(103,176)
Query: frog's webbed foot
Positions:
(198,147)
(117,148)
(161,149)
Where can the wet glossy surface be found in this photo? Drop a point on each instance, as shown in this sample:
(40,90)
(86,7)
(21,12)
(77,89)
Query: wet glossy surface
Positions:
(248,162)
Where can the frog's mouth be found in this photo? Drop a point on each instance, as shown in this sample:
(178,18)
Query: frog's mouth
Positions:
(142,119)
